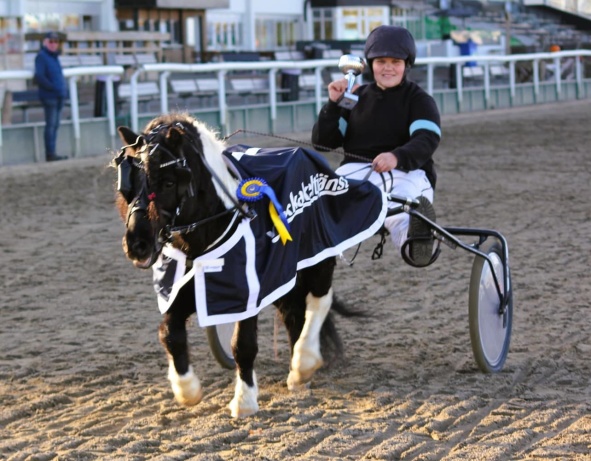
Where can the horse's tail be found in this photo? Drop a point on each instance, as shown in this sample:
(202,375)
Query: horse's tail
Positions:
(330,339)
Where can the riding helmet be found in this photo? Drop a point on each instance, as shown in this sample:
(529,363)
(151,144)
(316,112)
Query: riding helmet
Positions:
(392,42)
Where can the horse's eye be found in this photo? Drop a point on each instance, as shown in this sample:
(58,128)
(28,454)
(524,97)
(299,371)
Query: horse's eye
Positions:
(168,184)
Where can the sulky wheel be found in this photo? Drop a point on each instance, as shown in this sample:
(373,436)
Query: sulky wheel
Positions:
(490,330)
(220,340)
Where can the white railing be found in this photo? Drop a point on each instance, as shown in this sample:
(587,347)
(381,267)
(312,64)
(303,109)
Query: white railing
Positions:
(486,62)
(272,67)
(318,65)
(221,70)
(72,74)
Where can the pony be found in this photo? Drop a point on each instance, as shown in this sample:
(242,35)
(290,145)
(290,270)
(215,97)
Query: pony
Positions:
(175,188)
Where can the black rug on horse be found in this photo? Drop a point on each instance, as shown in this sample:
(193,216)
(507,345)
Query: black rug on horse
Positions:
(327,214)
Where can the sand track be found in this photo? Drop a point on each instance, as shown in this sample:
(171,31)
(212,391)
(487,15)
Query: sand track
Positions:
(83,377)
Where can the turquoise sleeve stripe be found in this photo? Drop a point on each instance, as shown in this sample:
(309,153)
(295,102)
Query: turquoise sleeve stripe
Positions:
(425,125)
(342,125)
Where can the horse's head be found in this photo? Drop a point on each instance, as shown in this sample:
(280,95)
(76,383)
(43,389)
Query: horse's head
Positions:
(166,187)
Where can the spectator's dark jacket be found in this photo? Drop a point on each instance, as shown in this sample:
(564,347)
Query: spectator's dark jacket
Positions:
(49,75)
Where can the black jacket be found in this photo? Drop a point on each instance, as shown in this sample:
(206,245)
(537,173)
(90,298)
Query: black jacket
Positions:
(403,120)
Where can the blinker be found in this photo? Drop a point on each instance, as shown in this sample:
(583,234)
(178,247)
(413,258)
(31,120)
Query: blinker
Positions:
(124,182)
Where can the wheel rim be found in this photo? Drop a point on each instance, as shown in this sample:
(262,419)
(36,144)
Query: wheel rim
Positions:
(225,332)
(492,326)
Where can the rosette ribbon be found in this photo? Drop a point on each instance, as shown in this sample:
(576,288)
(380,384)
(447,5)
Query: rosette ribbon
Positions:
(254,189)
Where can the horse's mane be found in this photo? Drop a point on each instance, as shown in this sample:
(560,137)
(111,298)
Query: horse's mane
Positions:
(213,147)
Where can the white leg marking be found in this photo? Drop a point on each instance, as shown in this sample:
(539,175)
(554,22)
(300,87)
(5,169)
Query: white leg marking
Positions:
(306,351)
(187,388)
(245,398)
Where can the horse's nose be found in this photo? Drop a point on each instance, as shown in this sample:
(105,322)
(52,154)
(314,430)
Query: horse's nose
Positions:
(136,248)
(140,248)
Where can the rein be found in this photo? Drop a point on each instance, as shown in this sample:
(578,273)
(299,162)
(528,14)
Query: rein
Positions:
(302,143)
(378,251)
(248,214)
(170,230)
(187,228)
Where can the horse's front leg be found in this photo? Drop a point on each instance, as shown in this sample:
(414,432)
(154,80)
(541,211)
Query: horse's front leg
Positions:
(173,336)
(306,357)
(245,349)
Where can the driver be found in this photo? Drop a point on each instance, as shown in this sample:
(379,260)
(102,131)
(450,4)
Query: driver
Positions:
(395,125)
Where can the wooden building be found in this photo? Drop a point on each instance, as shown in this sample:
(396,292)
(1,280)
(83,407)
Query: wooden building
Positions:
(184,20)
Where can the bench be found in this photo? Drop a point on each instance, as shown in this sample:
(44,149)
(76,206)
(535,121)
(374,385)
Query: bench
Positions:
(202,89)
(332,54)
(255,88)
(184,88)
(69,60)
(145,58)
(208,85)
(209,89)
(498,70)
(125,60)
(289,56)
(472,71)
(24,100)
(91,60)
(240,56)
(146,91)
(307,83)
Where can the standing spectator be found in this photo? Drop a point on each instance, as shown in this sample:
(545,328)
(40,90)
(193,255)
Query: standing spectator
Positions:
(52,90)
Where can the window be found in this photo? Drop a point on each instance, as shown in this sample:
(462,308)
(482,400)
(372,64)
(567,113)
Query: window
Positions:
(359,22)
(53,21)
(224,33)
(275,33)
(352,27)
(323,23)
(351,23)
(412,20)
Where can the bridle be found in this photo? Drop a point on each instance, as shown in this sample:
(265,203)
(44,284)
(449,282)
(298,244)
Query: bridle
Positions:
(140,202)
(126,164)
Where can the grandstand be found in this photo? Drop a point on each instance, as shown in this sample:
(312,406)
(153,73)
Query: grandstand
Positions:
(533,25)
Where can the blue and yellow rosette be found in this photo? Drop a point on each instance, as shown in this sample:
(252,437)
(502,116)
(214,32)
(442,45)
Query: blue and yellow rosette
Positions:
(254,189)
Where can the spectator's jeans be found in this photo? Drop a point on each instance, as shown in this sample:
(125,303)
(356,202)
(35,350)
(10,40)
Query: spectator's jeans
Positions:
(53,111)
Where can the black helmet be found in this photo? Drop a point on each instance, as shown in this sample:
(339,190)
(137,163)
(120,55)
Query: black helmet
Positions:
(392,42)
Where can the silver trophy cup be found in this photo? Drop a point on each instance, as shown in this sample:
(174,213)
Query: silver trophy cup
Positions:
(351,66)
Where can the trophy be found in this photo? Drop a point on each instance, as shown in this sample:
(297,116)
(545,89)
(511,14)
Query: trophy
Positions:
(351,66)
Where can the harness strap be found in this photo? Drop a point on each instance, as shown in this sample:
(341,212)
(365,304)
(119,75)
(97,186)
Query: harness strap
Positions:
(379,249)
(185,229)
(249,213)
(226,232)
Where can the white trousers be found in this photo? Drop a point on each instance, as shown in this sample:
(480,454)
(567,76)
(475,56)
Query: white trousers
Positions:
(412,184)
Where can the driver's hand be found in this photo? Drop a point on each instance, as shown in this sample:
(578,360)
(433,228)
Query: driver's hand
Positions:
(337,88)
(385,161)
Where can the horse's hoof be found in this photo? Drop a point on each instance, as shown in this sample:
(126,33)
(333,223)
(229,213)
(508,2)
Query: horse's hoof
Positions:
(186,388)
(298,380)
(294,384)
(245,401)
(190,399)
(303,366)
(243,411)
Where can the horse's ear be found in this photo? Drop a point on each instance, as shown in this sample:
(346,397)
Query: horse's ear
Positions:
(128,137)
(175,135)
